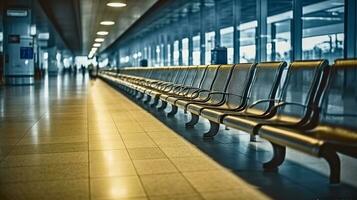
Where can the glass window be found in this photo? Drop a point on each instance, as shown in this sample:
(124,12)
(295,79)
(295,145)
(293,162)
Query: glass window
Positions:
(176,52)
(145,53)
(227,41)
(158,53)
(323,28)
(185,49)
(209,44)
(196,54)
(279,30)
(150,63)
(247,42)
(169,54)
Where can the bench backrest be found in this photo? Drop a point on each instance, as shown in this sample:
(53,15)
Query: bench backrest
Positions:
(169,73)
(198,79)
(209,77)
(264,85)
(222,78)
(181,75)
(220,82)
(156,74)
(303,81)
(238,84)
(339,105)
(190,77)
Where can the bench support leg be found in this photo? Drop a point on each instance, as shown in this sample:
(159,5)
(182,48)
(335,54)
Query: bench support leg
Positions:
(173,111)
(193,121)
(253,138)
(335,165)
(156,101)
(148,99)
(163,105)
(278,158)
(141,95)
(214,128)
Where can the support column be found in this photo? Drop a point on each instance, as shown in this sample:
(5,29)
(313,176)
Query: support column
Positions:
(350,48)
(261,31)
(217,36)
(202,32)
(180,51)
(236,32)
(165,51)
(273,42)
(190,41)
(172,51)
(296,31)
(18,49)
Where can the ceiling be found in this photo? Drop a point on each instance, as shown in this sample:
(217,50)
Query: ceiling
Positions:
(65,17)
(73,24)
(95,11)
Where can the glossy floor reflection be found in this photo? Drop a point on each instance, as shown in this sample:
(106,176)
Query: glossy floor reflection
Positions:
(71,138)
(300,177)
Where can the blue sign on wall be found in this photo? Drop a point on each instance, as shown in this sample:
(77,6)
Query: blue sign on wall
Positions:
(26,53)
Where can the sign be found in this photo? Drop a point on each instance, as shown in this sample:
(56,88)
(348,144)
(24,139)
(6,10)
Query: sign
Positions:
(26,53)
(17,13)
(14,39)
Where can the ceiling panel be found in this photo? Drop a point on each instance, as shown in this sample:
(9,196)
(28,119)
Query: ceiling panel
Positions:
(95,11)
(65,17)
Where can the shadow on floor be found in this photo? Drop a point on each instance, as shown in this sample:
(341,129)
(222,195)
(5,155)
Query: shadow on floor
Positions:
(233,150)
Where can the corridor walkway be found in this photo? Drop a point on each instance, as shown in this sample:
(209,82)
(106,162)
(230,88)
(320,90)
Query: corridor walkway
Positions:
(71,138)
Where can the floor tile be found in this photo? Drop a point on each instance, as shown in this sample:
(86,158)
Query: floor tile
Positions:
(177,197)
(116,188)
(44,159)
(145,153)
(108,156)
(111,169)
(53,140)
(166,184)
(44,172)
(139,143)
(239,194)
(186,164)
(216,180)
(68,189)
(106,144)
(181,151)
(154,166)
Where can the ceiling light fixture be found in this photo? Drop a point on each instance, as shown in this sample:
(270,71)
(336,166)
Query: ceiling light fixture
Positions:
(107,23)
(102,33)
(116,4)
(96,45)
(99,40)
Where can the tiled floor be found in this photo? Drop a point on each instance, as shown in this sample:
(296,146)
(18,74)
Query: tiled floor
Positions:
(71,138)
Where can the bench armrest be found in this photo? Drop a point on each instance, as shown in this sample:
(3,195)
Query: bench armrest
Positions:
(197,92)
(258,102)
(282,104)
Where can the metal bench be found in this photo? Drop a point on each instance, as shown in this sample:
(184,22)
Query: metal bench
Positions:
(336,129)
(245,88)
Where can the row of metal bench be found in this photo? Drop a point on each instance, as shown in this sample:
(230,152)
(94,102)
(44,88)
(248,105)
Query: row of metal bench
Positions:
(309,106)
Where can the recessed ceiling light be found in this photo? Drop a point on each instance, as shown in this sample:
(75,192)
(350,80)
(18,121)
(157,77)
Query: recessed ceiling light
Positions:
(99,40)
(107,23)
(116,4)
(94,49)
(96,45)
(102,33)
